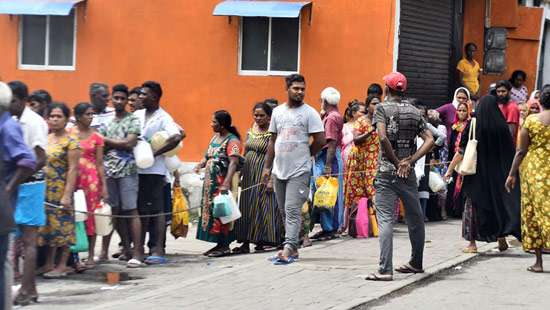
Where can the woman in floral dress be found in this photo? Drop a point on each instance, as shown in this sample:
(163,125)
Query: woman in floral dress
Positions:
(91,174)
(61,173)
(220,162)
(533,160)
(363,157)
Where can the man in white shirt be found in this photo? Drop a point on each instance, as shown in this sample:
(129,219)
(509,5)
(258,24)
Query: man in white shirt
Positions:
(152,180)
(29,212)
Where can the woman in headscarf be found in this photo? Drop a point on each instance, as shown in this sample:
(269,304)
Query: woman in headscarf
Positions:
(490,212)
(533,156)
(454,202)
(447,112)
(533,104)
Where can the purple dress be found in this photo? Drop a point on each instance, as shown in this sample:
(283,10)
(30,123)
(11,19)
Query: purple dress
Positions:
(447,114)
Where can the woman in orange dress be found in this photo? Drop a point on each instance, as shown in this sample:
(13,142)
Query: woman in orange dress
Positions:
(363,157)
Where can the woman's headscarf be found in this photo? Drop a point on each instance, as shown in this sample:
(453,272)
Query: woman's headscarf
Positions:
(455,101)
(534,93)
(533,102)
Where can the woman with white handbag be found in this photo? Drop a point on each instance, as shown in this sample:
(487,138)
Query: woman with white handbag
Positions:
(484,159)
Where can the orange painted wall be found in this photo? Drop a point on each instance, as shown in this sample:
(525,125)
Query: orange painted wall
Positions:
(523,41)
(194,56)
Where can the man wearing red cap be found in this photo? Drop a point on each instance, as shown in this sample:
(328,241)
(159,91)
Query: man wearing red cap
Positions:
(398,123)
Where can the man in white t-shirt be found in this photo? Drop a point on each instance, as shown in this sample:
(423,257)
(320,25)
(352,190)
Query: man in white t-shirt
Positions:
(152,180)
(29,212)
(289,158)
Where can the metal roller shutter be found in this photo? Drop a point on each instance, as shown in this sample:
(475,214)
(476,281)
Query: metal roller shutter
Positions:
(425,49)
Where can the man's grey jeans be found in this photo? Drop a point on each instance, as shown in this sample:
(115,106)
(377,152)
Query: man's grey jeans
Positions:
(292,194)
(389,187)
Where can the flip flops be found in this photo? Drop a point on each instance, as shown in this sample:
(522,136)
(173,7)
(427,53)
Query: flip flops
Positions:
(156,260)
(280,261)
(379,277)
(407,268)
(54,275)
(135,263)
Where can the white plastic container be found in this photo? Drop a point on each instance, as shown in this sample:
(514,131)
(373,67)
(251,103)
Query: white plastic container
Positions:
(159,139)
(103,220)
(80,207)
(144,154)
(172,163)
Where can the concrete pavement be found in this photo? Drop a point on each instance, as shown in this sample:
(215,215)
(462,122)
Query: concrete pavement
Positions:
(329,275)
(491,281)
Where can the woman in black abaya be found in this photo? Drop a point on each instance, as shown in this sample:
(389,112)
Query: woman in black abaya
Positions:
(490,212)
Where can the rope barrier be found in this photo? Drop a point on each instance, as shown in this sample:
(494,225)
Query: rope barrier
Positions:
(49,205)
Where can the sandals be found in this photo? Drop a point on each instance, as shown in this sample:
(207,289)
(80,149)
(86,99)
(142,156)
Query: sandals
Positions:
(124,257)
(23,299)
(54,274)
(241,250)
(259,249)
(211,250)
(469,250)
(502,244)
(282,261)
(135,263)
(155,260)
(532,269)
(407,268)
(379,277)
(220,253)
(318,235)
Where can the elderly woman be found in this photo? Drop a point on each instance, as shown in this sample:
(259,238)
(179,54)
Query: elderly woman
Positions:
(329,162)
(221,162)
(61,175)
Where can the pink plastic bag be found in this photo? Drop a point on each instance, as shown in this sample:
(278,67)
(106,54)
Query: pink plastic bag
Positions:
(362,218)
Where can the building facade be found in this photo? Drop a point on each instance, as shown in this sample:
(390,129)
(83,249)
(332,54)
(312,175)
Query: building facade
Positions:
(211,54)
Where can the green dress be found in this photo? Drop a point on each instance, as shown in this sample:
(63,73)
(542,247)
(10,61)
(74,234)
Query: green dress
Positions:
(217,163)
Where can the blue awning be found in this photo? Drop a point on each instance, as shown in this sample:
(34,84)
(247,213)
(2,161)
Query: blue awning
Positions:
(258,8)
(37,7)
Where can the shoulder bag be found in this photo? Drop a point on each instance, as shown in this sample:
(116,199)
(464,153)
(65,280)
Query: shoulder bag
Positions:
(469,162)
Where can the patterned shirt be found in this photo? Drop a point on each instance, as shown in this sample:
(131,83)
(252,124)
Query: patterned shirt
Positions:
(120,163)
(403,123)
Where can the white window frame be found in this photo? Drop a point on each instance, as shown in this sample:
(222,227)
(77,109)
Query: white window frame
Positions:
(268,71)
(46,66)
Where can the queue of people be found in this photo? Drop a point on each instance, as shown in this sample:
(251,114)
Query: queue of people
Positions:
(383,150)
(89,150)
